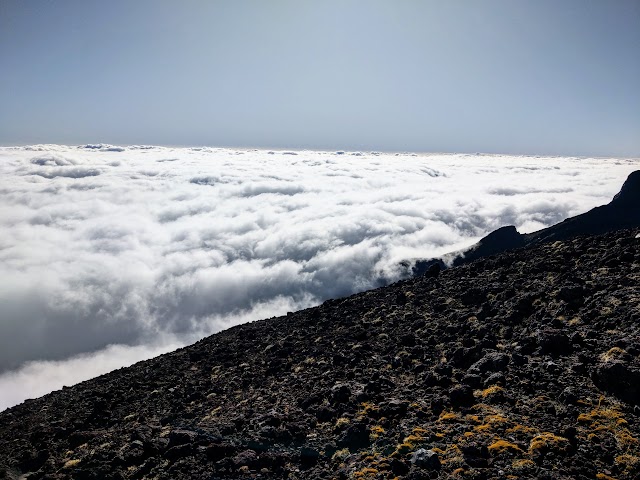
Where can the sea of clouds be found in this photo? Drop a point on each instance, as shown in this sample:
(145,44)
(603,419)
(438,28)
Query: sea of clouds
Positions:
(110,255)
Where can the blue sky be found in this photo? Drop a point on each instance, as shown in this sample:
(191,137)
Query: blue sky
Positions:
(508,76)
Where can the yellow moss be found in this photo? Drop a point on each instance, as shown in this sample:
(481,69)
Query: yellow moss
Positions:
(628,462)
(71,463)
(473,418)
(342,421)
(492,390)
(402,448)
(522,429)
(365,472)
(483,407)
(445,416)
(419,431)
(376,431)
(482,428)
(492,422)
(502,446)
(612,354)
(496,419)
(458,471)
(413,439)
(548,440)
(608,420)
(366,408)
(340,454)
(409,443)
(602,476)
(522,463)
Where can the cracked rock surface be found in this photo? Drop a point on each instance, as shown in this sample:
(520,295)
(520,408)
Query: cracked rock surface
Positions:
(522,365)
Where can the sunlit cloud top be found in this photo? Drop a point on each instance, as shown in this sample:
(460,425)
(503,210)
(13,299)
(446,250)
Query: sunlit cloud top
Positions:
(149,248)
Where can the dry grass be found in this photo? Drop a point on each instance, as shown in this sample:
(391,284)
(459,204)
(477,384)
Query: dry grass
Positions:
(70,463)
(609,420)
(500,447)
(548,441)
(612,354)
(492,390)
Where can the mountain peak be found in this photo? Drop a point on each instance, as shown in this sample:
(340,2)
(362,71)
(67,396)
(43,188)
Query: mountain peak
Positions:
(630,191)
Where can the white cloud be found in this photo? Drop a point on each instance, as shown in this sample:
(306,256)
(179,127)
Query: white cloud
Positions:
(109,255)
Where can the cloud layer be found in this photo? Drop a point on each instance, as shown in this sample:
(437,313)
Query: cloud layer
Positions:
(109,255)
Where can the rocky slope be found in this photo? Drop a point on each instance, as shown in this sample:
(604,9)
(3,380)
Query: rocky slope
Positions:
(523,365)
(622,212)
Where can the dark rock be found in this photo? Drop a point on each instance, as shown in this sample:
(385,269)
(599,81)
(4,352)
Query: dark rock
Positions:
(554,342)
(398,467)
(433,271)
(474,381)
(181,437)
(497,378)
(325,414)
(426,459)
(248,458)
(180,451)
(461,395)
(491,362)
(30,460)
(309,456)
(340,393)
(476,456)
(218,451)
(393,408)
(619,379)
(355,437)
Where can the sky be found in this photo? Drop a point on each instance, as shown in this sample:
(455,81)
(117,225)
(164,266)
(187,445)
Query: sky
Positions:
(110,255)
(504,76)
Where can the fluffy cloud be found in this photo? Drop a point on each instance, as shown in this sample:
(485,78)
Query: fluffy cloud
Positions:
(109,255)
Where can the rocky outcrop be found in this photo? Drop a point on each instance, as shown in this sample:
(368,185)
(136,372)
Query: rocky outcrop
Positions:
(520,365)
(622,212)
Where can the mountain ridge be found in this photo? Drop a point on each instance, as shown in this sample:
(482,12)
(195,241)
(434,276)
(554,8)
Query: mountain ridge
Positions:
(622,212)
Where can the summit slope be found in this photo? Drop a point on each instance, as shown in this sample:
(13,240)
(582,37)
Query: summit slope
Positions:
(522,365)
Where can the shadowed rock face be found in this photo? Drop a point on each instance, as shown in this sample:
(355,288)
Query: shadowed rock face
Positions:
(622,212)
(629,195)
(524,364)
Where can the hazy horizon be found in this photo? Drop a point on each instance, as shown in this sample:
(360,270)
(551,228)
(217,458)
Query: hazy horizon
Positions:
(319,150)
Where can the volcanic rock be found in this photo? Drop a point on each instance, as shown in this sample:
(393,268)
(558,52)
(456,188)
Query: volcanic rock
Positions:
(521,365)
